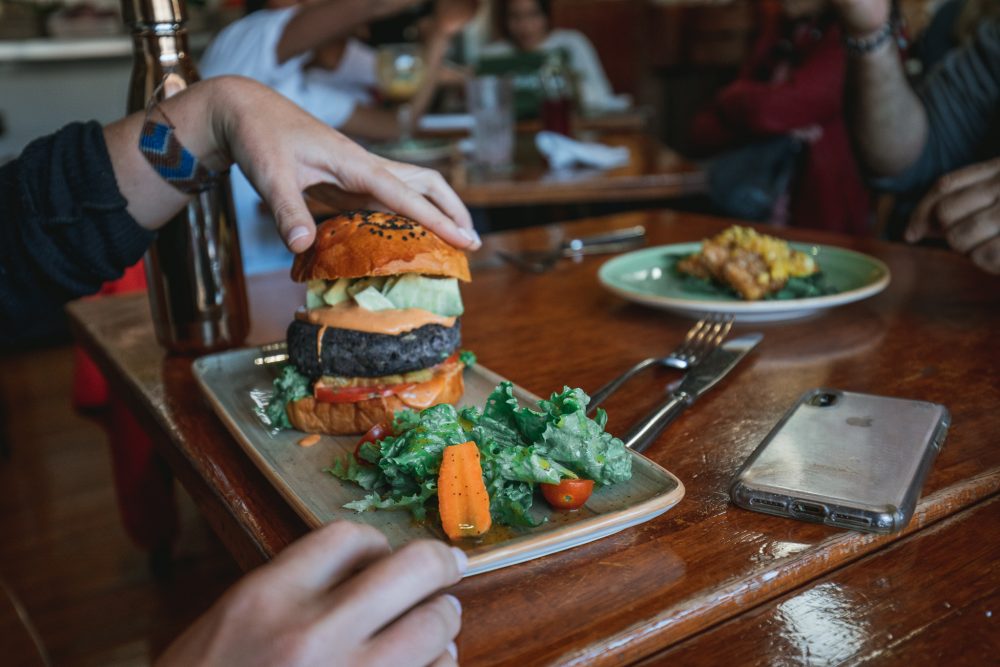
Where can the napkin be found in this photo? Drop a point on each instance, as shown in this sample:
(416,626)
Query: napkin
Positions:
(563,152)
(446,122)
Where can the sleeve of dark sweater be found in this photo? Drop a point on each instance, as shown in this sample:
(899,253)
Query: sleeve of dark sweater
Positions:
(64,230)
(962,99)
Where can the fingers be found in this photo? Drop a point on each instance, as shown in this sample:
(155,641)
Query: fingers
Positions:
(447,659)
(967,176)
(987,256)
(329,555)
(392,585)
(400,197)
(974,230)
(295,224)
(425,635)
(961,204)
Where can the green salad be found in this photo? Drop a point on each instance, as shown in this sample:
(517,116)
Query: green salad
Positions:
(519,448)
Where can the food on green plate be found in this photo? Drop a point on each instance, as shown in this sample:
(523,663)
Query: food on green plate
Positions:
(380,328)
(518,449)
(754,265)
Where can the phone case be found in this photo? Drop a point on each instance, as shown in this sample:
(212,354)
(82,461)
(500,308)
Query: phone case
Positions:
(845,459)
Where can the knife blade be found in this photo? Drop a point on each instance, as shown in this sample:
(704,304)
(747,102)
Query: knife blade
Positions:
(698,380)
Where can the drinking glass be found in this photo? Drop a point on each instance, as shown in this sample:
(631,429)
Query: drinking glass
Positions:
(491,104)
(401,71)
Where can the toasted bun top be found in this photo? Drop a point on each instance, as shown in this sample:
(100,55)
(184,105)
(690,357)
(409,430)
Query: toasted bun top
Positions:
(368,243)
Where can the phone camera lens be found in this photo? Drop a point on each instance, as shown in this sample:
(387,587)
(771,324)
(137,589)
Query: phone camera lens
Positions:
(823,400)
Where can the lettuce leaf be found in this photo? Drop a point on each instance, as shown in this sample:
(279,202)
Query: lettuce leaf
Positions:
(289,386)
(519,449)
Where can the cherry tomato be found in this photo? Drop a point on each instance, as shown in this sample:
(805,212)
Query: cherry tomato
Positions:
(569,494)
(374,434)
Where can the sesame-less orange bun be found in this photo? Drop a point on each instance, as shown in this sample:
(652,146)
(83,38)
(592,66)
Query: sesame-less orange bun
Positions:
(369,243)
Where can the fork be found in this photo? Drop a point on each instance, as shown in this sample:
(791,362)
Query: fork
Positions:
(706,335)
(540,261)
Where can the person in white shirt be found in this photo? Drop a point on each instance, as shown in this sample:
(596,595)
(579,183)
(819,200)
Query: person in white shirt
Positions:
(526,26)
(308,53)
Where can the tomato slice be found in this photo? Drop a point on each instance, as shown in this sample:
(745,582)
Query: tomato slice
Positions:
(374,434)
(569,494)
(326,394)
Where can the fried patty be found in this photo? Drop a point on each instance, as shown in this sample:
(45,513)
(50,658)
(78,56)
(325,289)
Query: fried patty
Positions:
(352,353)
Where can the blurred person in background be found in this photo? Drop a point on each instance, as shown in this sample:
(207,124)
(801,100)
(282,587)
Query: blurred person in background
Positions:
(525,26)
(792,84)
(953,25)
(309,52)
(939,144)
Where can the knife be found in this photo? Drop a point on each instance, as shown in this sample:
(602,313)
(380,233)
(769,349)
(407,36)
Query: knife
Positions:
(698,380)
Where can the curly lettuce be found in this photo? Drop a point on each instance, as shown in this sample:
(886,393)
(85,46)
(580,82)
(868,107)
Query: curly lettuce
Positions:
(519,448)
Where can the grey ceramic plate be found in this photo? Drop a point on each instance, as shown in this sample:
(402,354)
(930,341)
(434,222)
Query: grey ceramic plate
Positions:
(645,276)
(237,389)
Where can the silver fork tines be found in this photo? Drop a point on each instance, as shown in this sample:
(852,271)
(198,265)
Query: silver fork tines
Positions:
(706,335)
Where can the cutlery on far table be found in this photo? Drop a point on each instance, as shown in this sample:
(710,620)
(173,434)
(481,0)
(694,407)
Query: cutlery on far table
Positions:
(700,340)
(698,380)
(540,261)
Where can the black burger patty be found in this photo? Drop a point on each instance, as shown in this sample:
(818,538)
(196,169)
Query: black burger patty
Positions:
(350,353)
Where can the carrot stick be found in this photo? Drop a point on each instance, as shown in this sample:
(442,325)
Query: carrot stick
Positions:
(463,502)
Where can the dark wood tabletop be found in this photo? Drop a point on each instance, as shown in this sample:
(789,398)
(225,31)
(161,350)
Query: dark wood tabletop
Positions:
(700,578)
(654,172)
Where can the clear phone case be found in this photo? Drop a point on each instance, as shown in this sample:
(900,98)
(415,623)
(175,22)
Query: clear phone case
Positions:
(845,459)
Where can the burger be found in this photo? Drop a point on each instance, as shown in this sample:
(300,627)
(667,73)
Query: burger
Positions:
(380,331)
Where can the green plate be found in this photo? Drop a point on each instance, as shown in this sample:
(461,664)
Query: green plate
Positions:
(646,276)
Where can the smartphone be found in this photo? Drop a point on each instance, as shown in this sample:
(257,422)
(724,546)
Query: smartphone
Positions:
(845,459)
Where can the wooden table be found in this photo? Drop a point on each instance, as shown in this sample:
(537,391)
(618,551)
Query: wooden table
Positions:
(654,172)
(706,583)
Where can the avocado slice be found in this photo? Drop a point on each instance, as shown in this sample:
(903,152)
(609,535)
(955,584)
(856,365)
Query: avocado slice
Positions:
(337,292)
(437,295)
(371,299)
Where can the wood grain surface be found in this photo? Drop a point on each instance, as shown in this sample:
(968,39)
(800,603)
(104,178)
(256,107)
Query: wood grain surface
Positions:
(930,599)
(929,336)
(653,172)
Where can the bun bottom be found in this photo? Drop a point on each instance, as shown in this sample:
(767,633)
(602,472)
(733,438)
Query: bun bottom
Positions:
(312,416)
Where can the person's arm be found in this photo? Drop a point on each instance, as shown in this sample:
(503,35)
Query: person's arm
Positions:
(282,150)
(320,21)
(336,597)
(888,119)
(450,16)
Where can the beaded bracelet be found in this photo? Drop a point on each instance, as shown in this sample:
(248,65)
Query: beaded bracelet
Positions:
(175,164)
(861,46)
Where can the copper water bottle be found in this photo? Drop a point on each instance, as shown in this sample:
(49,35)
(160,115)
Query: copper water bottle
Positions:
(194,272)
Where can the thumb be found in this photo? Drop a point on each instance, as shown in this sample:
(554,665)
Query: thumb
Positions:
(295,224)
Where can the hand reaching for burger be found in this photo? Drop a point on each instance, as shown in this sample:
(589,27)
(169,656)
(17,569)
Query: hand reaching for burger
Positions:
(283,150)
(335,597)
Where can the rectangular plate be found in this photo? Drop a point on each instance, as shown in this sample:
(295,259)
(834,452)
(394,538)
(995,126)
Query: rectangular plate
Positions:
(236,389)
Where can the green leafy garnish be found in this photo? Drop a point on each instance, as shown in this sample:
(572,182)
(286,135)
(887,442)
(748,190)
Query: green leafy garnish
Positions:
(519,448)
(289,386)
(467,357)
